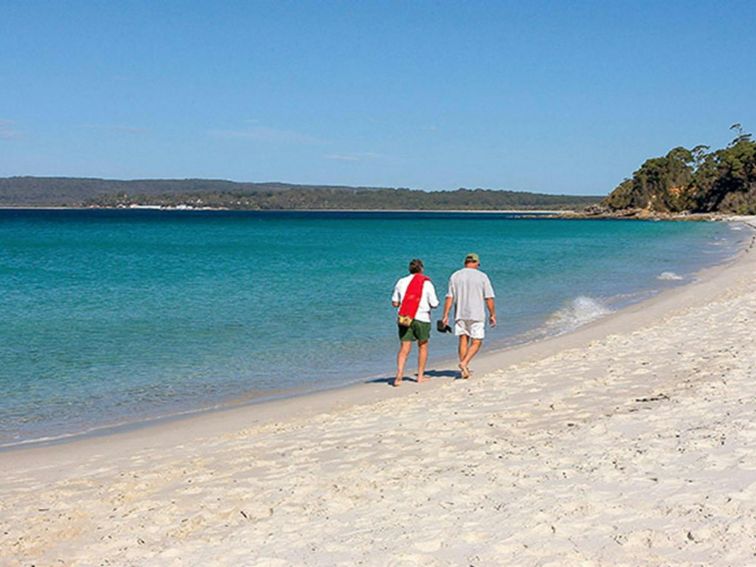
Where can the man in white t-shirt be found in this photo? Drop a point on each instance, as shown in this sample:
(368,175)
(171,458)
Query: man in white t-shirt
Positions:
(419,329)
(471,292)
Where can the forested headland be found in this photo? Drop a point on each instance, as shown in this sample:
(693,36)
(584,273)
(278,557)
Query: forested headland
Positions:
(697,180)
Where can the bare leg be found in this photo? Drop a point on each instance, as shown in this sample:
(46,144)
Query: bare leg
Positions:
(463,344)
(401,360)
(422,358)
(475,345)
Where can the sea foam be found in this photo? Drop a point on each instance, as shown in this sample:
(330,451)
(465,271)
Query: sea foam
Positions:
(577,312)
(669,276)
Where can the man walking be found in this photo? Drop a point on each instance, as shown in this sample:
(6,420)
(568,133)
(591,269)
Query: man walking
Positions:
(415,296)
(470,292)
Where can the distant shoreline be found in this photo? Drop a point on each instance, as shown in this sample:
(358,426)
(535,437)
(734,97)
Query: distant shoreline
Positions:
(564,214)
(195,209)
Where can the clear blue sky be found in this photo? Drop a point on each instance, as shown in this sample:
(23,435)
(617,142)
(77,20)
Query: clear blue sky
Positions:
(543,96)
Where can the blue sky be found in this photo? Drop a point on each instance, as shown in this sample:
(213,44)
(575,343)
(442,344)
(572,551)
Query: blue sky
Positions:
(557,97)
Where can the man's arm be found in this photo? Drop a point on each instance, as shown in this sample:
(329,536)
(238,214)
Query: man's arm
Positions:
(491,304)
(447,308)
(488,295)
(396,296)
(449,301)
(432,299)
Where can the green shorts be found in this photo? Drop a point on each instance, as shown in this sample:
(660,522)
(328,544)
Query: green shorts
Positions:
(417,331)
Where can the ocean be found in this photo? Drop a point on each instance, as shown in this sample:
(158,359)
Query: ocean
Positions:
(113,317)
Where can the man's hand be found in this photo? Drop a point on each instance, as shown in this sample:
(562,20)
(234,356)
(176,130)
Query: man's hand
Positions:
(445,320)
(492,320)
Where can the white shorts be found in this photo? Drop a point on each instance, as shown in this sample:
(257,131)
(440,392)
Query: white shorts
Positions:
(473,329)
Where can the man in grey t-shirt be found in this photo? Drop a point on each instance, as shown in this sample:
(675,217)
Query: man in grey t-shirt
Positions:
(471,292)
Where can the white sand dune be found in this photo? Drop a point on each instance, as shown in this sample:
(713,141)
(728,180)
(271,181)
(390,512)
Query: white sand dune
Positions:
(630,442)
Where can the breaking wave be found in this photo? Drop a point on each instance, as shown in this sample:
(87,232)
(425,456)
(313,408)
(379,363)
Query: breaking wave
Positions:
(669,276)
(576,313)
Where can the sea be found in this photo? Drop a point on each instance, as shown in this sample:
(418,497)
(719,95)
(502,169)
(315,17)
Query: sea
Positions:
(110,318)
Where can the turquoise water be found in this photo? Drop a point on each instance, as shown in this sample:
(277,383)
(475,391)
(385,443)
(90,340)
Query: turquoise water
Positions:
(111,317)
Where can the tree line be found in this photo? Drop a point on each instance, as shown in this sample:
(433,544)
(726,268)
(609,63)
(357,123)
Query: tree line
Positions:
(72,192)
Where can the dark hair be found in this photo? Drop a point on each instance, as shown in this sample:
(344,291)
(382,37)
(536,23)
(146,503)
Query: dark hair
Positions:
(416,266)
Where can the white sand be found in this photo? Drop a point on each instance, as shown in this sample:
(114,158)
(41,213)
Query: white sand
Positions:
(630,442)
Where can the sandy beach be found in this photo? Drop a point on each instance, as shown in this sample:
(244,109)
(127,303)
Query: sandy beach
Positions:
(631,441)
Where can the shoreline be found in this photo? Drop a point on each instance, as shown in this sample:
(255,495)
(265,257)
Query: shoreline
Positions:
(253,400)
(626,442)
(210,209)
(551,214)
(368,389)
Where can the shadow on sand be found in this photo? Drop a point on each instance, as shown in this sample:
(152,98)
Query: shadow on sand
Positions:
(429,373)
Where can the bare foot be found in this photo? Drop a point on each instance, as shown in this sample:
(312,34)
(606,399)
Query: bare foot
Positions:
(465,371)
(421,379)
(397,382)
